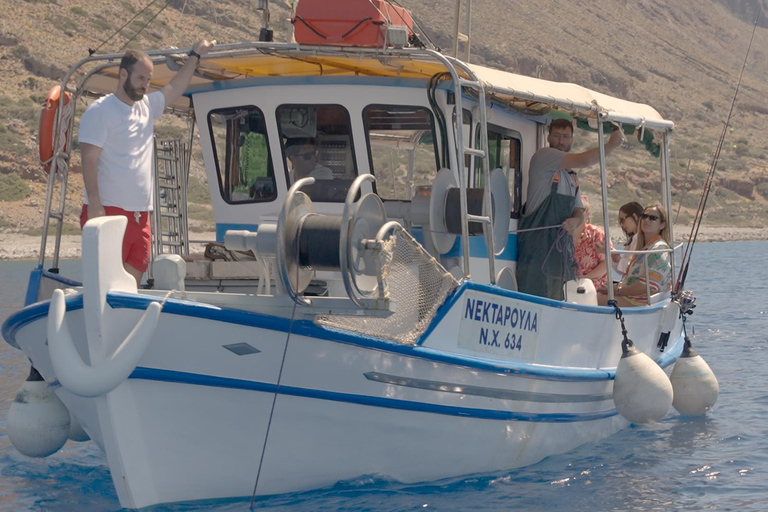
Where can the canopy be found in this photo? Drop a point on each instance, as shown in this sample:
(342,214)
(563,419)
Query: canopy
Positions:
(532,96)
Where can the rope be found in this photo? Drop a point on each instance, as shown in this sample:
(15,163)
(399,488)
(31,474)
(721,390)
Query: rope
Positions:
(562,245)
(686,261)
(626,343)
(277,391)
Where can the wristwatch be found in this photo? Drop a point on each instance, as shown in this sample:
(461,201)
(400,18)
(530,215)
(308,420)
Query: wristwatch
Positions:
(193,53)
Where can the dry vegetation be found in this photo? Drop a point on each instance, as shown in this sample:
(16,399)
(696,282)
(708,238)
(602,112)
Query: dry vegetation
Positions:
(682,57)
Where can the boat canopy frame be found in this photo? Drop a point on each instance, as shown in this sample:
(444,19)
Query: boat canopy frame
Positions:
(534,97)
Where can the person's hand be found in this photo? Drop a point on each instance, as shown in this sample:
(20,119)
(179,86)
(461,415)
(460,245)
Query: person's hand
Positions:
(204,46)
(570,224)
(599,246)
(95,210)
(615,140)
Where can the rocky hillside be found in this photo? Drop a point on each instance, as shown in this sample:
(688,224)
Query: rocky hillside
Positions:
(683,57)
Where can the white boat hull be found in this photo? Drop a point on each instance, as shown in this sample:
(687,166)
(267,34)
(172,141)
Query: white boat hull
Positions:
(191,421)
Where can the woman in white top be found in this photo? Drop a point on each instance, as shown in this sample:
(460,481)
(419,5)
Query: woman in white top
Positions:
(629,220)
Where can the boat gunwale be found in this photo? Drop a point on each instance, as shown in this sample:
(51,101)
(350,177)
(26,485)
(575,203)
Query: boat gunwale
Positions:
(308,328)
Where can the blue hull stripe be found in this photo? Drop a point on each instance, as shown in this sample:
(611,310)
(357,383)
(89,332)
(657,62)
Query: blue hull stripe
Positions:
(309,329)
(371,401)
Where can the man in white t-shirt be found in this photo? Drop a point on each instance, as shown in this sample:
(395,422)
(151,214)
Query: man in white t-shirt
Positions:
(116,145)
(543,262)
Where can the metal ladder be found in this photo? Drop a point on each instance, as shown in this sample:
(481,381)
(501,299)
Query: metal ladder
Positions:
(58,176)
(170,229)
(481,152)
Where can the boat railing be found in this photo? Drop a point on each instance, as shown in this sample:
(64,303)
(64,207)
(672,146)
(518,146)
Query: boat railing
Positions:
(662,293)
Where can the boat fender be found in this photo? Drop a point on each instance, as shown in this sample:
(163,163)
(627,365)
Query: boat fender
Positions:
(76,431)
(694,383)
(641,391)
(90,381)
(46,135)
(38,421)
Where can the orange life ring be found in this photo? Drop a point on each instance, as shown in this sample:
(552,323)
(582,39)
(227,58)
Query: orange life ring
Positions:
(45,135)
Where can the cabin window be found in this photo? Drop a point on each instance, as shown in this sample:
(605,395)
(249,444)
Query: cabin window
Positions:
(317,142)
(402,149)
(241,151)
(503,152)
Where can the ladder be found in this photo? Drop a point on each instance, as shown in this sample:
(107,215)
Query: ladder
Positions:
(459,36)
(170,226)
(481,152)
(58,176)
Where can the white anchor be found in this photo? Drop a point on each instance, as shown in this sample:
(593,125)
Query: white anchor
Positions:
(102,272)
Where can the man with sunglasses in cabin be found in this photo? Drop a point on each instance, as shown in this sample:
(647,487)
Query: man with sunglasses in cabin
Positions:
(545,258)
(302,154)
(116,140)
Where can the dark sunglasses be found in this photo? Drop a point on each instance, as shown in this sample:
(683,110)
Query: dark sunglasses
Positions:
(306,156)
(652,218)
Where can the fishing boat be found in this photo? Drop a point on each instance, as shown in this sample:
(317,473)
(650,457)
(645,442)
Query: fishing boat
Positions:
(366,324)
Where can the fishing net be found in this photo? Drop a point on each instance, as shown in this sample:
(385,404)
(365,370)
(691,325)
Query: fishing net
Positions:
(415,282)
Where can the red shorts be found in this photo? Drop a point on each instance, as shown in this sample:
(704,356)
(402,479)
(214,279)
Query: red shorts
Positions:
(138,237)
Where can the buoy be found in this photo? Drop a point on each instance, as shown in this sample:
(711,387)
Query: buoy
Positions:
(694,383)
(45,134)
(76,432)
(641,391)
(38,422)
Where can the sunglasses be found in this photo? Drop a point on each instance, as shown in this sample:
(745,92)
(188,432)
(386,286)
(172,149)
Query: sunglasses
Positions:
(305,156)
(652,218)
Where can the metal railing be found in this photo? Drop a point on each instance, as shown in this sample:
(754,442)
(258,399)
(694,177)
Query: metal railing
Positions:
(648,293)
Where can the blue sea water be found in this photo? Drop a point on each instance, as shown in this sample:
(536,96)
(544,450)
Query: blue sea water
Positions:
(717,462)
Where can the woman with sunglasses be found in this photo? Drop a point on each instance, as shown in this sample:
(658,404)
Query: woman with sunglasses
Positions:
(629,220)
(653,235)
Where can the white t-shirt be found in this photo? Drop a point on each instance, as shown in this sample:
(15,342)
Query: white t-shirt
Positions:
(125,135)
(623,264)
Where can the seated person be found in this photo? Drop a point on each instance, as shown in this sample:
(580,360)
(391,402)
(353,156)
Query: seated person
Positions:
(589,241)
(302,154)
(652,235)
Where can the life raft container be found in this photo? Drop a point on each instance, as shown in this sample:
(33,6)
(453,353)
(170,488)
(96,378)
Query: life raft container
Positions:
(46,135)
(348,22)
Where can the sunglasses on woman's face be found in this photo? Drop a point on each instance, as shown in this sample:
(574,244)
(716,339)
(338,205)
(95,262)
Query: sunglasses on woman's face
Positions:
(652,218)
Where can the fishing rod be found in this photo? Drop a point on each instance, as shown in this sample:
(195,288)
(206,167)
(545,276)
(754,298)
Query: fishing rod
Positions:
(699,217)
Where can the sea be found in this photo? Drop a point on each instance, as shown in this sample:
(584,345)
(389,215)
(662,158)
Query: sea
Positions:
(715,462)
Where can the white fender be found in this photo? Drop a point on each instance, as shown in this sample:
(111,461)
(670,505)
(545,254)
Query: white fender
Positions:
(641,391)
(38,421)
(694,383)
(91,381)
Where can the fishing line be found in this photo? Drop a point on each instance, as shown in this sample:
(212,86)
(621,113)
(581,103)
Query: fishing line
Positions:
(713,166)
(150,20)
(685,189)
(277,389)
(91,51)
